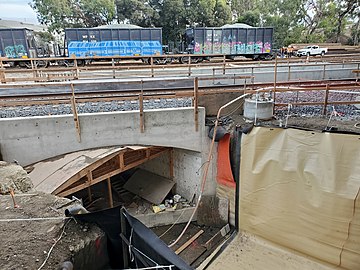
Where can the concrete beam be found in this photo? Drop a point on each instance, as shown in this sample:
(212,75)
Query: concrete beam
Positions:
(32,139)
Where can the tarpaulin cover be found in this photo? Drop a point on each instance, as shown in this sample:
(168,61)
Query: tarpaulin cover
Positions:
(225,180)
(300,189)
(224,173)
(144,242)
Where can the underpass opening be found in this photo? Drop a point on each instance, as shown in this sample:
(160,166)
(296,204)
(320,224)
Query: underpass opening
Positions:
(137,177)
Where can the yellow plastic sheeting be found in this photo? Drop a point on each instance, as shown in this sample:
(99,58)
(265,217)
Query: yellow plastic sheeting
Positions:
(300,189)
(227,192)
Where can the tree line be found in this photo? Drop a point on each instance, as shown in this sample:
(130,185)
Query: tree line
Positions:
(294,21)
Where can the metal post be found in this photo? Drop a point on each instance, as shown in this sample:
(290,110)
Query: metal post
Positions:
(323,77)
(123,232)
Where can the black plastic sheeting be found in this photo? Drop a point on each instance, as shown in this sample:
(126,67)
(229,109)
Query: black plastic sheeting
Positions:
(146,248)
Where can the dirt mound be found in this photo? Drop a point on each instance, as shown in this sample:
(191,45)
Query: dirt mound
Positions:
(29,231)
(13,176)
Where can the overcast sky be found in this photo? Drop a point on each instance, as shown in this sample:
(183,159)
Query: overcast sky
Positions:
(17,10)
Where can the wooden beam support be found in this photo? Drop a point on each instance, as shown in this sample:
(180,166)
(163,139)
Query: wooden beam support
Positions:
(75,114)
(224,64)
(113,67)
(111,203)
(326,99)
(141,108)
(121,161)
(152,66)
(89,177)
(275,80)
(83,173)
(65,190)
(189,65)
(2,71)
(196,103)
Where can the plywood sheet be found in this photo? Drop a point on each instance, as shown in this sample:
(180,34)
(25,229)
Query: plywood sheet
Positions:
(48,175)
(149,186)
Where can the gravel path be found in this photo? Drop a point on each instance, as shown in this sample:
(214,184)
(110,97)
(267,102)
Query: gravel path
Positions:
(345,112)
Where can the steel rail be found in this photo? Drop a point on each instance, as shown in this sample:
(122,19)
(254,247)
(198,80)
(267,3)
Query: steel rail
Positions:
(113,95)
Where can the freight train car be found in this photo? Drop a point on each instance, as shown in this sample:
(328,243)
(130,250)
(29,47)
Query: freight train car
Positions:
(17,43)
(230,40)
(89,42)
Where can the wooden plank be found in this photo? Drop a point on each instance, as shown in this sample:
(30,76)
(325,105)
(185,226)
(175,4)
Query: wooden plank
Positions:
(326,100)
(111,203)
(51,177)
(217,237)
(121,161)
(196,103)
(2,71)
(141,108)
(188,242)
(149,186)
(75,114)
(63,191)
(90,178)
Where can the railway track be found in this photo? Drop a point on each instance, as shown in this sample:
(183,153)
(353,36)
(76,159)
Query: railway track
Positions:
(106,95)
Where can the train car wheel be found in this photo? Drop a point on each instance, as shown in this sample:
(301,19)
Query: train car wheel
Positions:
(145,60)
(230,57)
(184,60)
(41,64)
(80,63)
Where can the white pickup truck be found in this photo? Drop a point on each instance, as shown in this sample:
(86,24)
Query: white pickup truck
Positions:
(311,50)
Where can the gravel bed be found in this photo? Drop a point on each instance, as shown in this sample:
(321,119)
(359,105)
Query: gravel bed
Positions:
(92,107)
(344,112)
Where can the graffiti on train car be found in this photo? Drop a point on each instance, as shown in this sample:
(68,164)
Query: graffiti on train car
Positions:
(232,47)
(114,47)
(16,51)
